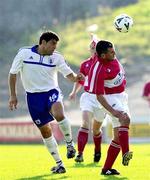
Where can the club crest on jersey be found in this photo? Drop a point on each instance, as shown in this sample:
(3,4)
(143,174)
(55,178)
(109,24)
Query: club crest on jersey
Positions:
(37,121)
(108,70)
(87,65)
(50,61)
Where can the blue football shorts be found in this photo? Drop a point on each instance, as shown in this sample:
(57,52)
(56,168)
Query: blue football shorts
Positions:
(39,105)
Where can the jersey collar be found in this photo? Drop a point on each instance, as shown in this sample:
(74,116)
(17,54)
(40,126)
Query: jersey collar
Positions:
(34,49)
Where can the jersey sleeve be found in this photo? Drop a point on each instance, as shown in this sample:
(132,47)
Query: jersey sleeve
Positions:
(99,86)
(96,78)
(82,71)
(63,67)
(17,63)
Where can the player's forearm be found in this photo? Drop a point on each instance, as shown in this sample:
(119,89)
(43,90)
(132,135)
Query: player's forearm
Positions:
(76,77)
(76,88)
(105,104)
(12,84)
(72,77)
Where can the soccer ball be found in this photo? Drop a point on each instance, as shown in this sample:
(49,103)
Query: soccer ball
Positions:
(123,23)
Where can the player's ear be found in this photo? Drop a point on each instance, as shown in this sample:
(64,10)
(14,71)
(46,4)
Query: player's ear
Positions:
(103,55)
(44,42)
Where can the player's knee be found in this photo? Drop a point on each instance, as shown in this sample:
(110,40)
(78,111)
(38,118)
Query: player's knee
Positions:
(46,132)
(125,122)
(96,132)
(59,117)
(85,125)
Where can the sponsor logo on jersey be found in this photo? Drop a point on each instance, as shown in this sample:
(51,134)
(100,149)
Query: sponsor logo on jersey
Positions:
(30,57)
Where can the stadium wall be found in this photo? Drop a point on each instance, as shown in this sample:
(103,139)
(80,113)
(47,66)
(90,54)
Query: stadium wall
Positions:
(27,132)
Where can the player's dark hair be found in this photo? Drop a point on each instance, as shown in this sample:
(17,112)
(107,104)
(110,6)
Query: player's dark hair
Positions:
(47,36)
(102,47)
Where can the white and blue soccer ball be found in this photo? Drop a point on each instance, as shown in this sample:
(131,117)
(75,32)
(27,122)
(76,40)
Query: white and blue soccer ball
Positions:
(123,23)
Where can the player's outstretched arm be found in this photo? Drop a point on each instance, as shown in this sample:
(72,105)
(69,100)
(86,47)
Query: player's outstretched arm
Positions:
(12,78)
(75,77)
(76,88)
(118,114)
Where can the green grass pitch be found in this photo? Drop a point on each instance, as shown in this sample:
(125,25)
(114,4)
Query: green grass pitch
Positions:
(33,162)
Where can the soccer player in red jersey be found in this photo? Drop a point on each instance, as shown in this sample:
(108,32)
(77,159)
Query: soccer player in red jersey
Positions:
(92,113)
(146,92)
(106,79)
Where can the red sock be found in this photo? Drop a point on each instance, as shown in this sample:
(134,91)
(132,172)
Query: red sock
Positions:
(124,138)
(97,141)
(82,139)
(112,154)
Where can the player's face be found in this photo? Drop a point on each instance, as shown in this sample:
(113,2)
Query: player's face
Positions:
(50,46)
(110,55)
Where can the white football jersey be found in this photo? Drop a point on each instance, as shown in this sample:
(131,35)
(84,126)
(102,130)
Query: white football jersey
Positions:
(39,73)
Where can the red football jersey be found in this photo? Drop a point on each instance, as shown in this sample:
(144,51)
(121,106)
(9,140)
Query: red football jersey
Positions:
(84,69)
(106,78)
(146,91)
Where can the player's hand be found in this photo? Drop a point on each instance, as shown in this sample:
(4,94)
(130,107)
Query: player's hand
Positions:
(72,96)
(80,77)
(119,114)
(13,103)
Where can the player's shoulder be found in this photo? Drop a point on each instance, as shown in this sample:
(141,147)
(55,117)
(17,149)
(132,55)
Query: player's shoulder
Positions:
(24,49)
(116,61)
(86,61)
(147,85)
(57,56)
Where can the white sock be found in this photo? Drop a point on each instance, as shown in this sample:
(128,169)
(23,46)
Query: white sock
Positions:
(52,147)
(66,130)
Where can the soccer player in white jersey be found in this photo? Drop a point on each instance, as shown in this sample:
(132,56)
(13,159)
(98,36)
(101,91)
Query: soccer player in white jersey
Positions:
(92,113)
(106,79)
(38,66)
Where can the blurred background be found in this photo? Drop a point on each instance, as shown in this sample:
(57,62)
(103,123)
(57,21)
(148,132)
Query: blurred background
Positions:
(21,23)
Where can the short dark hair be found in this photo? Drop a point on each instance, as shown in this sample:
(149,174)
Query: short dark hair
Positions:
(47,36)
(102,47)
